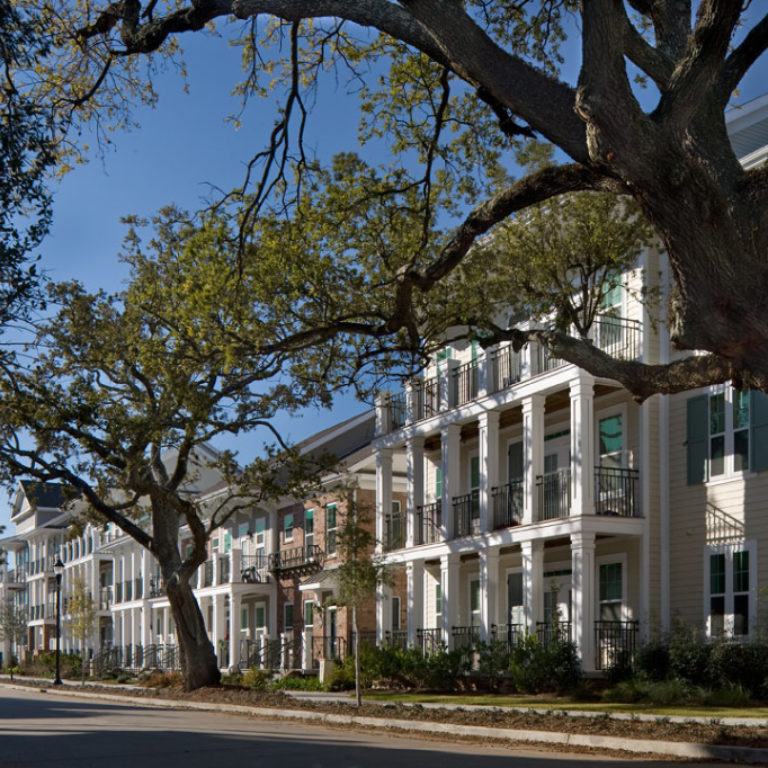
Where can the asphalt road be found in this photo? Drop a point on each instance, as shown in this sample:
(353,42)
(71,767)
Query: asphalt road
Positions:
(44,729)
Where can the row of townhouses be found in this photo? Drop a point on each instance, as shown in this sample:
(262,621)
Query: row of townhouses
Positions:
(513,494)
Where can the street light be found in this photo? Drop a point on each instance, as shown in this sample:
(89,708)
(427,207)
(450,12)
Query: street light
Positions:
(58,569)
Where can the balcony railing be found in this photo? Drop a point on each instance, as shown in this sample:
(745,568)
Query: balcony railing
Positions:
(507,368)
(105,598)
(398,410)
(224,569)
(397,638)
(208,573)
(616,492)
(394,532)
(329,647)
(429,640)
(253,568)
(617,336)
(296,557)
(509,634)
(429,522)
(554,491)
(465,637)
(426,398)
(549,633)
(507,504)
(157,587)
(615,642)
(465,380)
(466,514)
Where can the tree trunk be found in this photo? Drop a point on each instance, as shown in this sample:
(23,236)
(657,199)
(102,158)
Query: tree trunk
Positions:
(199,667)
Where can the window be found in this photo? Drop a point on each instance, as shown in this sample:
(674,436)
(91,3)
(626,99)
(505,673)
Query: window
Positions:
(611,591)
(330,529)
(309,528)
(515,462)
(438,483)
(308,614)
(611,442)
(227,542)
(515,603)
(731,572)
(288,527)
(396,533)
(244,617)
(260,617)
(727,433)
(261,525)
(395,613)
(288,616)
(474,602)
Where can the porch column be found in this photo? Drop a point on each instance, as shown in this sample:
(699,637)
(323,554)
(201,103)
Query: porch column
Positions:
(533,578)
(414,457)
(447,384)
(582,445)
(383,493)
(489,590)
(450,437)
(383,613)
(383,421)
(488,442)
(219,628)
(485,372)
(533,452)
(583,596)
(415,585)
(234,630)
(449,581)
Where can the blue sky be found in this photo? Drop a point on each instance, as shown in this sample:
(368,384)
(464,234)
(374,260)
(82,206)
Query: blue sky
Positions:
(181,147)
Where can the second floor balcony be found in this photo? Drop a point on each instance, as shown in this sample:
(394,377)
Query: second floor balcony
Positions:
(466,514)
(429,523)
(307,559)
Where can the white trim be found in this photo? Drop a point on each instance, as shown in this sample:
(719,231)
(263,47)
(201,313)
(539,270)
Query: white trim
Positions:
(747,545)
(619,557)
(620,409)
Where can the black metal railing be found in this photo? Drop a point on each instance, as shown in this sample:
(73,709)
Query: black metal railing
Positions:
(225,569)
(208,573)
(507,503)
(329,647)
(429,520)
(398,410)
(397,638)
(554,494)
(618,336)
(615,642)
(429,640)
(506,368)
(547,360)
(105,598)
(465,380)
(466,514)
(549,632)
(394,531)
(616,491)
(296,557)
(136,656)
(265,653)
(426,398)
(156,587)
(509,634)
(465,637)
(253,568)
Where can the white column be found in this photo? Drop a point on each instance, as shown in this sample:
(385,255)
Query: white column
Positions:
(415,596)
(533,452)
(414,457)
(533,578)
(383,421)
(485,372)
(489,590)
(448,384)
(449,580)
(583,596)
(383,612)
(488,440)
(383,493)
(450,438)
(582,445)
(234,630)
(219,628)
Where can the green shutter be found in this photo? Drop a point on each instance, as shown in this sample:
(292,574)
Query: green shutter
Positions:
(759,430)
(697,436)
(439,483)
(515,462)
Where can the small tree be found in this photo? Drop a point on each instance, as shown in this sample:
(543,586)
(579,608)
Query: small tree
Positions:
(82,616)
(361,572)
(13,626)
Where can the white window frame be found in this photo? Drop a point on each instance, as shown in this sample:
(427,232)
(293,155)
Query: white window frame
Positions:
(475,617)
(729,469)
(750,546)
(606,413)
(621,557)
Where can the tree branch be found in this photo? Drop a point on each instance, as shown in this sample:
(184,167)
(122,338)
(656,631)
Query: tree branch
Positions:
(742,58)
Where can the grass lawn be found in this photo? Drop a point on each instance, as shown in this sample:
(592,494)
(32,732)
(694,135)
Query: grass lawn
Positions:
(555,703)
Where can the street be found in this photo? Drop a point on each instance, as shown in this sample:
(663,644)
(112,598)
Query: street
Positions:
(45,729)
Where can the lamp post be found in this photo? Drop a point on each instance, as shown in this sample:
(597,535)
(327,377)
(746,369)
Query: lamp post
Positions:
(58,569)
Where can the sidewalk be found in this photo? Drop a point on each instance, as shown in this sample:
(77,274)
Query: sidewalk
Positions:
(690,750)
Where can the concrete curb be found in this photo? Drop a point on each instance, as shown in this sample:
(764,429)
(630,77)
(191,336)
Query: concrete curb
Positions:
(637,746)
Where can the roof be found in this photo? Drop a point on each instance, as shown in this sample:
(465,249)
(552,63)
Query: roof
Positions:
(44,495)
(748,126)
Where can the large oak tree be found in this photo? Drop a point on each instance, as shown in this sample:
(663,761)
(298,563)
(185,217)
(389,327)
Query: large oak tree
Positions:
(452,87)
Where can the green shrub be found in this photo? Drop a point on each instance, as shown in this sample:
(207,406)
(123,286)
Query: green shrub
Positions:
(296,683)
(652,661)
(534,667)
(255,678)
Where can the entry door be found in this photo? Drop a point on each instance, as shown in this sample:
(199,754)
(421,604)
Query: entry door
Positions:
(557,598)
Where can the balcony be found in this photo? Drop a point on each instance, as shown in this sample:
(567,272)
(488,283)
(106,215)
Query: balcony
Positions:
(506,368)
(507,503)
(207,580)
(466,514)
(394,532)
(554,494)
(617,336)
(253,568)
(306,559)
(398,410)
(426,398)
(465,383)
(429,523)
(616,492)
(14,579)
(105,598)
